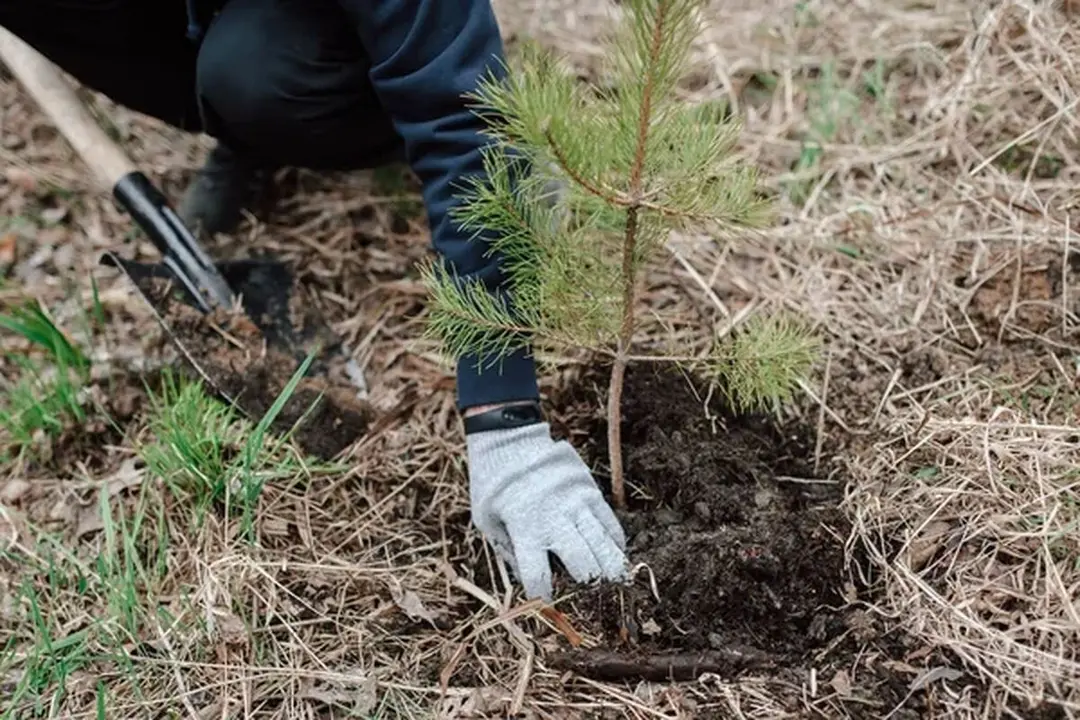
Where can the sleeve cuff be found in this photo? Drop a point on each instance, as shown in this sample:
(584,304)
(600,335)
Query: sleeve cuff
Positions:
(506,379)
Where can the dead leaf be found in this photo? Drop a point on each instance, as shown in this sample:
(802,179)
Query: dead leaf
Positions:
(451,666)
(14,490)
(89,521)
(126,476)
(410,604)
(213,711)
(39,256)
(841,683)
(861,623)
(851,595)
(52,216)
(230,629)
(275,526)
(63,512)
(64,257)
(10,681)
(89,517)
(13,527)
(9,535)
(650,627)
(55,238)
(483,701)
(933,675)
(359,697)
(21,179)
(9,245)
(7,601)
(927,543)
(562,624)
(918,654)
(899,666)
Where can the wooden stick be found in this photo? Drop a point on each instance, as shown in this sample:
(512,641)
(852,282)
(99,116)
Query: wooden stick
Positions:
(615,666)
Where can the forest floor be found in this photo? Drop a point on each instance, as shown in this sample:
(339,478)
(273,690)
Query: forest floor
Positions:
(902,542)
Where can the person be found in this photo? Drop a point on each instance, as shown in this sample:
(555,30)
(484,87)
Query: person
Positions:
(344,85)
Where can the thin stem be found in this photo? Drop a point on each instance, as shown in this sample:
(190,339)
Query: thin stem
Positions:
(614,197)
(560,157)
(668,359)
(614,429)
(618,370)
(629,277)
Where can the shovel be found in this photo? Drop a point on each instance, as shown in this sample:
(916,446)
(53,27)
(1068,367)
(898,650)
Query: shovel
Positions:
(247,359)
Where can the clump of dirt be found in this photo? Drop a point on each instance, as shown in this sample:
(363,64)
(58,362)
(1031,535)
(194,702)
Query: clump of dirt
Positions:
(1019,296)
(743,545)
(229,351)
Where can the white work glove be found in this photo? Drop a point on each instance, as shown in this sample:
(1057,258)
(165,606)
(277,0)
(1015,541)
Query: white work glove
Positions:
(531,495)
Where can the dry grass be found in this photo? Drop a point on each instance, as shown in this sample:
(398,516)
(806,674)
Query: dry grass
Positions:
(926,233)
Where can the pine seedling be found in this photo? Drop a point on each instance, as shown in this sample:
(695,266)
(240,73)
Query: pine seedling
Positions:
(630,166)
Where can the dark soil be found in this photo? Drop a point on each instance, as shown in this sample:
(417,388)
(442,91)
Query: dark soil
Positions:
(745,547)
(231,353)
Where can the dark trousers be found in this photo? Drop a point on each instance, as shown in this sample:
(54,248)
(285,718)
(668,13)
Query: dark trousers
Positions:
(283,82)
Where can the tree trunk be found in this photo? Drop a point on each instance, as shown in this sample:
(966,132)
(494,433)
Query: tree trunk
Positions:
(614,433)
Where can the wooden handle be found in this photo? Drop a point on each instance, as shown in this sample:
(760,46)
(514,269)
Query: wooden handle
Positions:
(43,82)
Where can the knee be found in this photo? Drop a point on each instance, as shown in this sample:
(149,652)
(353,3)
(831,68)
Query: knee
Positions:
(235,83)
(289,90)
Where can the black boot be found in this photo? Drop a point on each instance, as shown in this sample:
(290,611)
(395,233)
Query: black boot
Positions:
(224,187)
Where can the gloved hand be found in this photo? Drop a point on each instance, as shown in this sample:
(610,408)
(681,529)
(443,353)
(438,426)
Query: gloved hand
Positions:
(529,495)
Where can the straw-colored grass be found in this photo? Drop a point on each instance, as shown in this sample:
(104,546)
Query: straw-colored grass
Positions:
(925,160)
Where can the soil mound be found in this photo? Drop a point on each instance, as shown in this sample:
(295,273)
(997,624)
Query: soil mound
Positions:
(231,354)
(743,547)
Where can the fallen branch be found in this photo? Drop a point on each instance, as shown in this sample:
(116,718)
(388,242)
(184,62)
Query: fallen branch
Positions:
(614,666)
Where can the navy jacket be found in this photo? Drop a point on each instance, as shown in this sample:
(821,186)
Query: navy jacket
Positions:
(425,55)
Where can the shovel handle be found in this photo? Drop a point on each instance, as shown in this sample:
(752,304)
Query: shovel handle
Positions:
(115,172)
(57,99)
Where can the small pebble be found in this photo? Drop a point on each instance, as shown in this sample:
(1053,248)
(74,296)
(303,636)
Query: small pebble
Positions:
(666,516)
(643,539)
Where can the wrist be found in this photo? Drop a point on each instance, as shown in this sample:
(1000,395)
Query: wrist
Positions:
(488,381)
(502,416)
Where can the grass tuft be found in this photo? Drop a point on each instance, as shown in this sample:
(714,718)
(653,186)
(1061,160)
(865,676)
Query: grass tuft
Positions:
(195,437)
(45,394)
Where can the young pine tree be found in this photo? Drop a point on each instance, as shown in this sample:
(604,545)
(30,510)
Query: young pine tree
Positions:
(630,166)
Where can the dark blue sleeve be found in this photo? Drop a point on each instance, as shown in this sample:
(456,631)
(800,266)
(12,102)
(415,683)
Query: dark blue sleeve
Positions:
(425,55)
